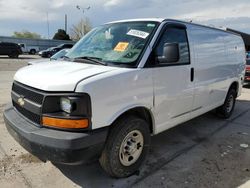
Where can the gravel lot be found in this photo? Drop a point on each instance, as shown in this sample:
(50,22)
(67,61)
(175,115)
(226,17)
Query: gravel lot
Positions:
(204,152)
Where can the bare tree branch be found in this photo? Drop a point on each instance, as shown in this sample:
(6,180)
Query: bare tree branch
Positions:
(80,29)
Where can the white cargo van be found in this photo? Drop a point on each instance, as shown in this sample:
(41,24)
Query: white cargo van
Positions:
(120,84)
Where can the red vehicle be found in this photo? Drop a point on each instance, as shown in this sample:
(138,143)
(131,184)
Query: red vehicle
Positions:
(247,75)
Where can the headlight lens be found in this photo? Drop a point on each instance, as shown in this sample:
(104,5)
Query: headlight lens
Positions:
(66,105)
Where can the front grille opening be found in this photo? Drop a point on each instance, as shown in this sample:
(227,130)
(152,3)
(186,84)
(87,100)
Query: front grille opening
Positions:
(31,116)
(28,93)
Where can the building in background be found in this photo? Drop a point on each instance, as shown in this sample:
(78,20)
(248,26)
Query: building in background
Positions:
(41,44)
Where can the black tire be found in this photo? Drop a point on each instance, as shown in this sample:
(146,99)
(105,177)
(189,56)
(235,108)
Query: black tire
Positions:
(33,51)
(13,55)
(226,110)
(111,157)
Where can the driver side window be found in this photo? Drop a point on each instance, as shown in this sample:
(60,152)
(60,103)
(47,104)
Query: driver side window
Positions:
(178,36)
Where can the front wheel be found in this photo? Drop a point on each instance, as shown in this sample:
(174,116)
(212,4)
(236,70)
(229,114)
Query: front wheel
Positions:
(227,108)
(126,147)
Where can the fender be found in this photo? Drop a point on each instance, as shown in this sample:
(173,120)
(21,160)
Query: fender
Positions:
(122,111)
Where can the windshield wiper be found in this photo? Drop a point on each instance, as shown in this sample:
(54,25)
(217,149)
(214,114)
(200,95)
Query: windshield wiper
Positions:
(94,60)
(66,58)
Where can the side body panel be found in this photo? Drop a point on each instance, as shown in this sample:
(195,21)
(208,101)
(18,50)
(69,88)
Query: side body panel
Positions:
(4,49)
(219,61)
(173,92)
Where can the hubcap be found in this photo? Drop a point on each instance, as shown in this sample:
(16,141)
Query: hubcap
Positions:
(131,148)
(230,103)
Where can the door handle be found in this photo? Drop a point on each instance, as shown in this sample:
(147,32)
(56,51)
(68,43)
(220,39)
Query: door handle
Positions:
(192,75)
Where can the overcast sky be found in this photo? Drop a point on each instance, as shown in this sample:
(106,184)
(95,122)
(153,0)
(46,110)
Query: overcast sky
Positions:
(18,15)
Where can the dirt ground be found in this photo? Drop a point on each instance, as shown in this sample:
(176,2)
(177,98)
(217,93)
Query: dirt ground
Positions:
(204,152)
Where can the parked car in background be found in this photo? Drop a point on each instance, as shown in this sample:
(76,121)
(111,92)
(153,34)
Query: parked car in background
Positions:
(248,54)
(29,49)
(51,51)
(13,50)
(247,74)
(55,57)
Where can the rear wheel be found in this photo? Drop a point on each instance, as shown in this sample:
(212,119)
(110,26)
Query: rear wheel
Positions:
(227,108)
(126,147)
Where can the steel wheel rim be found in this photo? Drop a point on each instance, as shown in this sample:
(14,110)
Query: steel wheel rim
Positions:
(230,103)
(131,148)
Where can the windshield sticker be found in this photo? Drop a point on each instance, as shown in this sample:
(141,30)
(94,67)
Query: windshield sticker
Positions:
(137,33)
(121,46)
(151,25)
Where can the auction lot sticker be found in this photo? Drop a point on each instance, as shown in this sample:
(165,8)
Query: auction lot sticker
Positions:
(137,33)
(121,46)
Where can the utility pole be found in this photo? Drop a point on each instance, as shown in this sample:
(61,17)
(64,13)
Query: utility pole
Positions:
(66,23)
(48,24)
(83,11)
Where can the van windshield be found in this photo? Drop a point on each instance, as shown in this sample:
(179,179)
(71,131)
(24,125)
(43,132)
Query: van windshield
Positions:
(115,43)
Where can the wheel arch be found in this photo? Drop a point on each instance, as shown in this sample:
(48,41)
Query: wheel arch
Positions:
(234,85)
(139,111)
(32,50)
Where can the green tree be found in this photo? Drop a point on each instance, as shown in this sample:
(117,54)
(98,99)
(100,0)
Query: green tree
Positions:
(61,35)
(26,34)
(80,29)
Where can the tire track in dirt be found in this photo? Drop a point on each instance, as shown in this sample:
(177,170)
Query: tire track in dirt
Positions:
(164,161)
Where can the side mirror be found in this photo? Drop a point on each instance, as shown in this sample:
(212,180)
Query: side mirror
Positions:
(170,53)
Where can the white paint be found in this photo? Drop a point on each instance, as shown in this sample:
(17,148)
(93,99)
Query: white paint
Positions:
(137,33)
(59,75)
(166,92)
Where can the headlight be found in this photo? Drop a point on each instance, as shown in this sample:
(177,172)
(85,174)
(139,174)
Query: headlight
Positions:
(67,111)
(66,105)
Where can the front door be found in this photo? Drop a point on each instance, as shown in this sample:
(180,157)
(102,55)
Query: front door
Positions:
(173,83)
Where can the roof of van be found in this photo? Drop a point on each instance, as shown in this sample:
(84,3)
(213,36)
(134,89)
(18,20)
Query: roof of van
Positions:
(173,20)
(166,19)
(140,19)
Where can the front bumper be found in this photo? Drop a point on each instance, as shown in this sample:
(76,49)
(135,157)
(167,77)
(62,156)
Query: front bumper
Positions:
(54,145)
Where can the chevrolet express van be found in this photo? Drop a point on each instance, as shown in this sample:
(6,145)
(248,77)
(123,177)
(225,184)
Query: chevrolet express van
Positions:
(122,83)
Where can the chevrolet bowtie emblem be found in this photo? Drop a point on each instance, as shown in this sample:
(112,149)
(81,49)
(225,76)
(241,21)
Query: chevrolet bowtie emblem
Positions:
(21,101)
